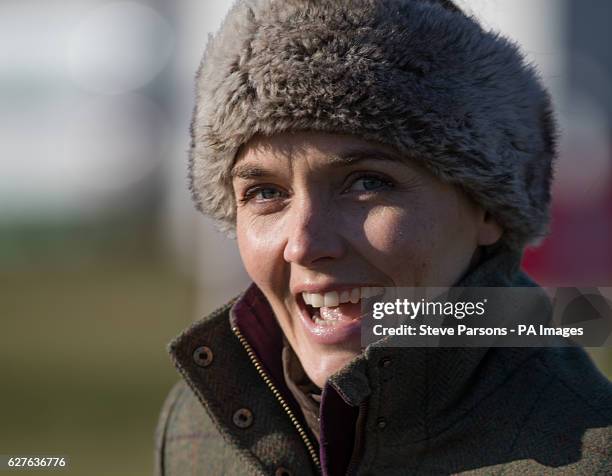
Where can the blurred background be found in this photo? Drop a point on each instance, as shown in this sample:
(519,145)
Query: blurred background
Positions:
(103,258)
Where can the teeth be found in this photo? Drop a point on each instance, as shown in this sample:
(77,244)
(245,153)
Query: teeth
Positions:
(330,299)
(333,299)
(376,291)
(316,300)
(322,322)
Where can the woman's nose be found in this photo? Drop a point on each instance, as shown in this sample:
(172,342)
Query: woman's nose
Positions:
(312,233)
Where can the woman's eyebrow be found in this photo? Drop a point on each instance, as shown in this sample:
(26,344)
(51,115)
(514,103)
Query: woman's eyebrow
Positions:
(357,155)
(248,171)
(348,157)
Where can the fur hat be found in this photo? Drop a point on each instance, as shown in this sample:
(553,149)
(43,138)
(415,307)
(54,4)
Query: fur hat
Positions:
(418,75)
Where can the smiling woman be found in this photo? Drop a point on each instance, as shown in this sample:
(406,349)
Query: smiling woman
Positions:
(334,213)
(351,146)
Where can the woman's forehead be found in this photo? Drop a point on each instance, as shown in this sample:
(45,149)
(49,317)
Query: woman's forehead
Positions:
(323,149)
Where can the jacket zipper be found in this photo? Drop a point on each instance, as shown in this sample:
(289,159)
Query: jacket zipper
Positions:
(262,373)
(361,417)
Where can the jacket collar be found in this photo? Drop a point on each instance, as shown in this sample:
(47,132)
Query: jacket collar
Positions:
(432,388)
(498,268)
(218,366)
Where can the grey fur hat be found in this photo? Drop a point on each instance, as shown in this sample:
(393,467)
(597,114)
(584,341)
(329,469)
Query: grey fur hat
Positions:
(418,75)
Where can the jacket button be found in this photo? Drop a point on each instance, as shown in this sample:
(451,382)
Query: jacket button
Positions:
(243,418)
(280,471)
(203,356)
(385,362)
(381,423)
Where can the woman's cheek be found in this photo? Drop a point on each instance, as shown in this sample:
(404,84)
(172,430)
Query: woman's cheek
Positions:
(388,230)
(251,245)
(261,248)
(400,245)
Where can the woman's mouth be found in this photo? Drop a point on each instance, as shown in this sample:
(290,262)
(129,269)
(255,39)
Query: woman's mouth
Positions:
(334,316)
(333,306)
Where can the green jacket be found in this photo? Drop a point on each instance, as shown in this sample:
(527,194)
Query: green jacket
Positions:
(427,411)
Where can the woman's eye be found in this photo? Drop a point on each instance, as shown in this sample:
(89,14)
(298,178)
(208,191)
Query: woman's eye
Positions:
(261,194)
(267,193)
(368,183)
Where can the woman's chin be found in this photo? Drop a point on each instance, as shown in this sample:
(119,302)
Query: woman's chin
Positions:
(319,366)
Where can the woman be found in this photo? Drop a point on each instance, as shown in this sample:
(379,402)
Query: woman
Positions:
(360,144)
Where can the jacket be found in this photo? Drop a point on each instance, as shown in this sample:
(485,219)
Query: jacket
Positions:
(402,411)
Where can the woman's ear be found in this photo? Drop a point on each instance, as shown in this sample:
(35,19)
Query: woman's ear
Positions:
(489,231)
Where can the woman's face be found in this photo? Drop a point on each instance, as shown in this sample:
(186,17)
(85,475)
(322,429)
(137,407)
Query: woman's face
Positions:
(322,216)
